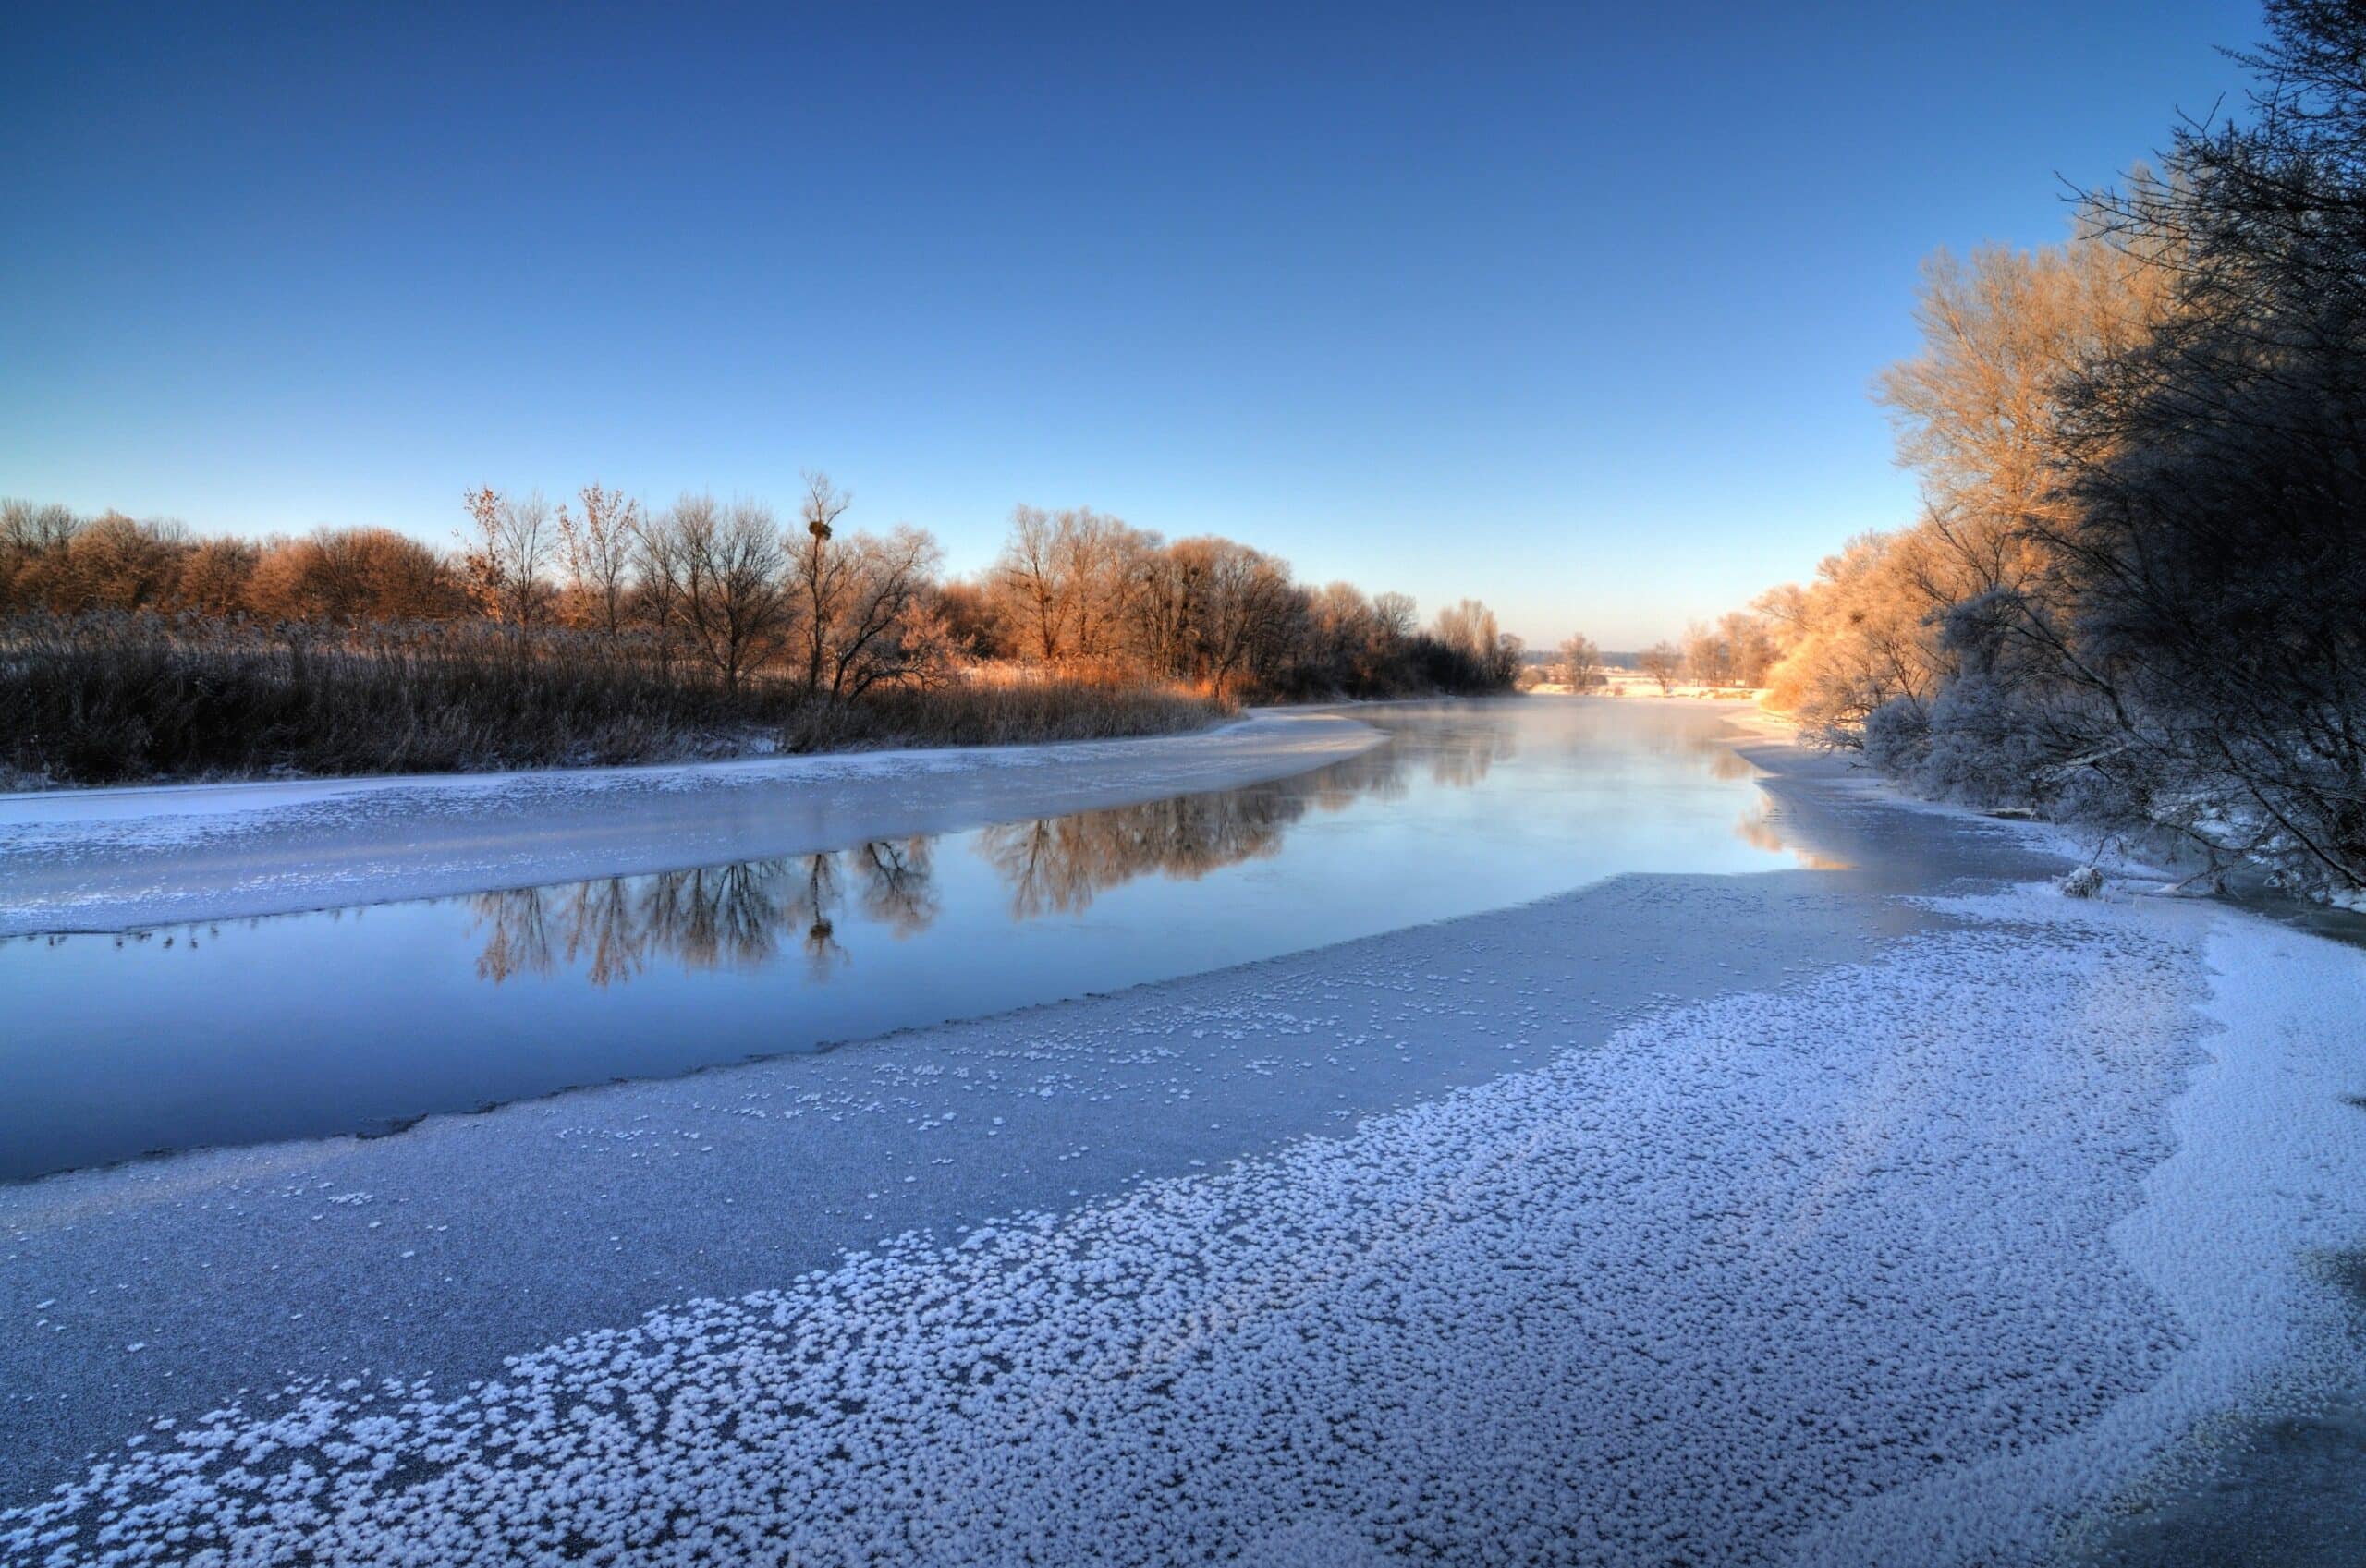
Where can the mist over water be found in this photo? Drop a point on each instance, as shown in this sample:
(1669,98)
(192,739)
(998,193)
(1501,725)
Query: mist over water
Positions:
(360,1020)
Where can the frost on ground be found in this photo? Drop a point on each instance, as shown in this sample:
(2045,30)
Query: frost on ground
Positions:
(1883,1267)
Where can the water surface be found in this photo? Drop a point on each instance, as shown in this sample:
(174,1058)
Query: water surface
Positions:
(360,1020)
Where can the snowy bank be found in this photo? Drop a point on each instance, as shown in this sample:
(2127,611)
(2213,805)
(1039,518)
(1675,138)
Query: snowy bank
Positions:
(116,858)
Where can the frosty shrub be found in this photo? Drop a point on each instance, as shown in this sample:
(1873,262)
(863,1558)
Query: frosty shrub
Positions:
(2084,882)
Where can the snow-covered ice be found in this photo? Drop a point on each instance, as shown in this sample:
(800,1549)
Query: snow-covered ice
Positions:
(1919,1244)
(109,859)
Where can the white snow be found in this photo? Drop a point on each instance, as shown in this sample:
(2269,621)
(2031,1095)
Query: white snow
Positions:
(1914,1260)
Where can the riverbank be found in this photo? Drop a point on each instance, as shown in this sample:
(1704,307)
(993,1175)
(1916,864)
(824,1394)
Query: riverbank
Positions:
(1905,1210)
(107,859)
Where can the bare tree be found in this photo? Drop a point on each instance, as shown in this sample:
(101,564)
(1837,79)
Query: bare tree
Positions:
(1062,580)
(1581,665)
(1469,626)
(1663,663)
(598,546)
(503,556)
(1345,641)
(1162,606)
(1241,599)
(1028,576)
(107,563)
(821,574)
(724,583)
(1099,555)
(657,573)
(1707,659)
(883,630)
(217,576)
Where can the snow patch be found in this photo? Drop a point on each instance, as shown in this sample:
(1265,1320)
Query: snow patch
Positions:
(1894,1264)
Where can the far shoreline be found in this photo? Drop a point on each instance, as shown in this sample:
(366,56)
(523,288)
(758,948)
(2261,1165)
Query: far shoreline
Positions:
(130,857)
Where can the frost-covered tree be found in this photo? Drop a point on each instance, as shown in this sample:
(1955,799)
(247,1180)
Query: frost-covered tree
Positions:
(2137,592)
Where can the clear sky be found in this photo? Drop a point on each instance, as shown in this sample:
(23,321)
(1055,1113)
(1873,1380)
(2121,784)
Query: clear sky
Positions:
(1570,308)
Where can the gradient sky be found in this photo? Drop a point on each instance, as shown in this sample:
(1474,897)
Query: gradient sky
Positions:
(1573,308)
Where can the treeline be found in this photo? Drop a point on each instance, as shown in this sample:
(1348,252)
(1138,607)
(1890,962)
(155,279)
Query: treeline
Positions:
(1732,654)
(1083,592)
(724,590)
(2137,592)
(602,631)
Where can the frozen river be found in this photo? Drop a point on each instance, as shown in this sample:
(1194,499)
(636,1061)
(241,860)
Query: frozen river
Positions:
(190,1035)
(1556,1134)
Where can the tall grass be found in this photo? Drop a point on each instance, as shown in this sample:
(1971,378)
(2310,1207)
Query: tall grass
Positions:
(109,699)
(981,714)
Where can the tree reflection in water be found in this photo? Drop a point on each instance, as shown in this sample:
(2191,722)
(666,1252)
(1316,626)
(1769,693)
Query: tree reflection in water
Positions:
(1755,830)
(736,916)
(744,914)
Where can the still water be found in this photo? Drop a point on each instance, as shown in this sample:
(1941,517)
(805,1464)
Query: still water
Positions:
(361,1020)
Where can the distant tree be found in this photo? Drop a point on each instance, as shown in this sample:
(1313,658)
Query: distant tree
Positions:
(1469,626)
(31,536)
(1663,663)
(29,528)
(347,576)
(882,628)
(821,574)
(1346,642)
(217,576)
(1062,582)
(597,545)
(107,563)
(1736,651)
(1241,601)
(1511,653)
(1706,661)
(723,584)
(1749,645)
(657,578)
(1581,665)
(1861,640)
(973,620)
(503,556)
(1161,609)
(1031,593)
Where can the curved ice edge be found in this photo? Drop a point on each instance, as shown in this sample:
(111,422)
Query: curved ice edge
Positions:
(120,803)
(1053,1367)
(2260,1182)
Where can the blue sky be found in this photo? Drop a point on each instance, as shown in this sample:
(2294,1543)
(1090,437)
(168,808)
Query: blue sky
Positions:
(1573,308)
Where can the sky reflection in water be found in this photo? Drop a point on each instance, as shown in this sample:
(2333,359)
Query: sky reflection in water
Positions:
(359,1020)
